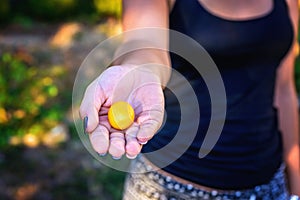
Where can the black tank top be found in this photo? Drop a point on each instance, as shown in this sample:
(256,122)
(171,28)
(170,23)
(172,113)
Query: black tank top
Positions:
(247,54)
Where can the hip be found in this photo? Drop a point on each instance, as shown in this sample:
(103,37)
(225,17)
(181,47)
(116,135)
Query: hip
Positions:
(161,185)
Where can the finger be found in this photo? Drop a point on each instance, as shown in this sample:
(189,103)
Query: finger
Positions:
(133,147)
(103,111)
(91,104)
(146,132)
(149,122)
(100,139)
(117,145)
(103,120)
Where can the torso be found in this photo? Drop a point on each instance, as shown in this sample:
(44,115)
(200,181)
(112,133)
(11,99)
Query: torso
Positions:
(247,52)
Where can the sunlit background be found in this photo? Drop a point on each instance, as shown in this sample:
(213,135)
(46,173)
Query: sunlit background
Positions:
(42,44)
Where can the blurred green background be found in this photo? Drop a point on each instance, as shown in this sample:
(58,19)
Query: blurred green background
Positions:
(42,44)
(57,10)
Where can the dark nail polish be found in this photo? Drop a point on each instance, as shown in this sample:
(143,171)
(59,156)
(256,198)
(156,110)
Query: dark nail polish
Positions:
(85,122)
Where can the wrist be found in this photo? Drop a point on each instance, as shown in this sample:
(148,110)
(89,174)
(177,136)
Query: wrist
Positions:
(150,72)
(146,54)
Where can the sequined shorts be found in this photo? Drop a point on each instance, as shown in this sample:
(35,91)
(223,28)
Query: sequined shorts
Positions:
(156,186)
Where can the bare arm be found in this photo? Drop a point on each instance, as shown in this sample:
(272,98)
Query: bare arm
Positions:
(137,77)
(149,20)
(287,104)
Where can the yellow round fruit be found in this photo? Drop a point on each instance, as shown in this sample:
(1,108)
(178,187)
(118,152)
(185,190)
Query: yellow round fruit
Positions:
(120,115)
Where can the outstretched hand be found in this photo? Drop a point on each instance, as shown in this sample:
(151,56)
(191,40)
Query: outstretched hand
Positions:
(135,85)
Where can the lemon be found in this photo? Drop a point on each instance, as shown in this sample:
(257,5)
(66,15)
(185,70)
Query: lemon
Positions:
(120,115)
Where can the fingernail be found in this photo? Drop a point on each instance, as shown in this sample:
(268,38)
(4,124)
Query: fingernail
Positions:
(143,142)
(102,154)
(116,158)
(85,122)
(131,157)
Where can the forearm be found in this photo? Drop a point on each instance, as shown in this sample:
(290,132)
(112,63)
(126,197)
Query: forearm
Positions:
(288,120)
(146,37)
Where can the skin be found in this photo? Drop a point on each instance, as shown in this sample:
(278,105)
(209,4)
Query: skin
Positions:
(100,93)
(243,9)
(154,13)
(287,104)
(142,90)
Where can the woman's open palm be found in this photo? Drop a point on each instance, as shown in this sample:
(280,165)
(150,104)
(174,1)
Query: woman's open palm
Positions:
(135,85)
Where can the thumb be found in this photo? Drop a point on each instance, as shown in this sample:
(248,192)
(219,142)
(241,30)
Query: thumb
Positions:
(91,104)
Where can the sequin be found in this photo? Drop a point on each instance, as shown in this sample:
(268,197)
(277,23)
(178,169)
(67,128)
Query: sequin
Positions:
(257,188)
(189,186)
(156,195)
(168,179)
(194,193)
(156,177)
(170,186)
(200,193)
(182,190)
(161,181)
(214,193)
(206,196)
(176,187)
(238,193)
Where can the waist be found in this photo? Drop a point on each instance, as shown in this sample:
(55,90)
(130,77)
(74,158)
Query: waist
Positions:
(169,177)
(169,183)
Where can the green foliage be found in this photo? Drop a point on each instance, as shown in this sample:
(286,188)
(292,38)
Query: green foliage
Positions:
(4,10)
(58,10)
(109,7)
(28,100)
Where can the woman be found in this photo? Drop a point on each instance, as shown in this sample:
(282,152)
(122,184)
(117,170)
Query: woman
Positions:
(252,43)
